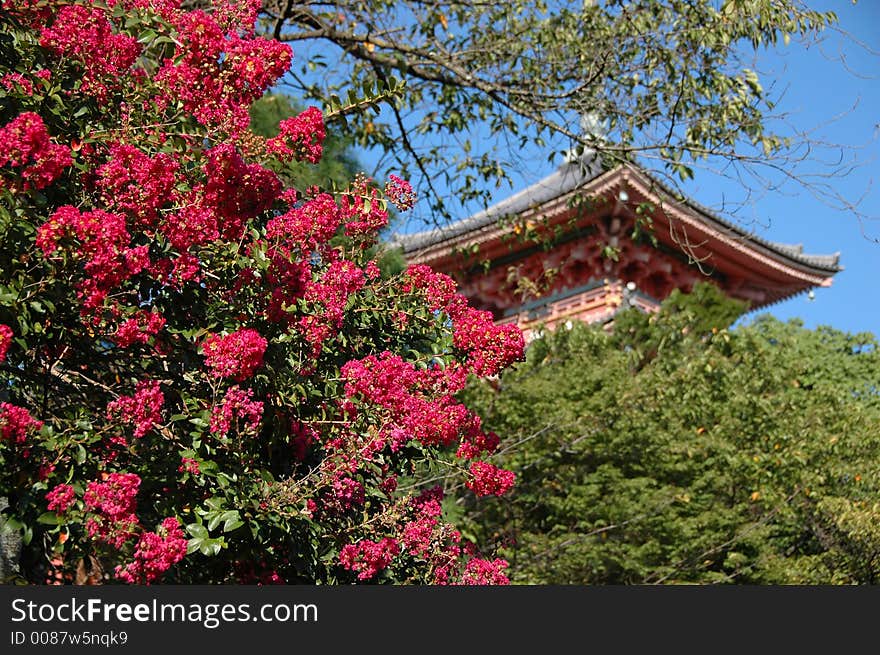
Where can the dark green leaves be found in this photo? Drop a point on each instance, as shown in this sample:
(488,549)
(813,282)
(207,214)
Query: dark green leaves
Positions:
(675,450)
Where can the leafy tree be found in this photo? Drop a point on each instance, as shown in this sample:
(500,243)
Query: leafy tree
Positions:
(204,377)
(668,82)
(678,451)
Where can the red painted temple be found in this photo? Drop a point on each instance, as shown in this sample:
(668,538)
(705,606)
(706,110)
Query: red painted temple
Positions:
(583,243)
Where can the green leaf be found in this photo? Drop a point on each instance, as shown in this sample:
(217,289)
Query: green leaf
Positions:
(231,521)
(49,518)
(211,547)
(214,522)
(197,530)
(216,502)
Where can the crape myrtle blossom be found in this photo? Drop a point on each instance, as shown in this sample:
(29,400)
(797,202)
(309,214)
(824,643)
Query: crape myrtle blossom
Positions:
(12,80)
(111,506)
(300,137)
(217,73)
(86,35)
(26,148)
(210,377)
(485,572)
(16,422)
(237,408)
(155,553)
(5,341)
(487,479)
(237,355)
(400,193)
(368,558)
(133,182)
(60,498)
(143,409)
(140,328)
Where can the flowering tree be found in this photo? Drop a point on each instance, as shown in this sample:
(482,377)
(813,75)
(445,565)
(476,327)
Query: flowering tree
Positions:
(204,376)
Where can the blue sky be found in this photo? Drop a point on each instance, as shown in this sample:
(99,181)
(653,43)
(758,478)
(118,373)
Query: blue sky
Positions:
(835,85)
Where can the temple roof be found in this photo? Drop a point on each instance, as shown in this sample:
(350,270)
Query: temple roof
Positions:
(574,176)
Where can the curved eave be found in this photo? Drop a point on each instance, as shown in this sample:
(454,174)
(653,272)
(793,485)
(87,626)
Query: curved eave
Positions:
(791,254)
(704,235)
(723,239)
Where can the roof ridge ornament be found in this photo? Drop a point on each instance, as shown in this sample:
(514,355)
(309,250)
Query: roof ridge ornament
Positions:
(592,129)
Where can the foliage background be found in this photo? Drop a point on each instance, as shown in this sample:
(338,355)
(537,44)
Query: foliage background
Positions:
(675,450)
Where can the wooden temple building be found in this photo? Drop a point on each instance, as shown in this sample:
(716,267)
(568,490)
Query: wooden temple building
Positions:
(584,242)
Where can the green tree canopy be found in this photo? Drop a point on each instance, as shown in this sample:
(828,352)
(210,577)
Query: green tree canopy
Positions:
(677,451)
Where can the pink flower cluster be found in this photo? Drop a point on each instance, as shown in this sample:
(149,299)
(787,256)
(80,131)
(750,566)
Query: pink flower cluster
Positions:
(384,380)
(489,348)
(237,16)
(188,465)
(177,271)
(438,288)
(25,145)
(347,493)
(369,557)
(5,341)
(235,190)
(239,410)
(216,73)
(61,498)
(418,535)
(426,537)
(132,182)
(103,242)
(85,35)
(143,409)
(400,193)
(237,355)
(156,552)
(306,227)
(113,504)
(15,422)
(190,226)
(485,572)
(341,279)
(364,209)
(300,137)
(12,80)
(139,329)
(419,404)
(287,278)
(487,479)
(476,442)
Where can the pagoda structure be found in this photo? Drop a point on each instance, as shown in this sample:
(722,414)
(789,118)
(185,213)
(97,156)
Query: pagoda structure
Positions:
(584,243)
